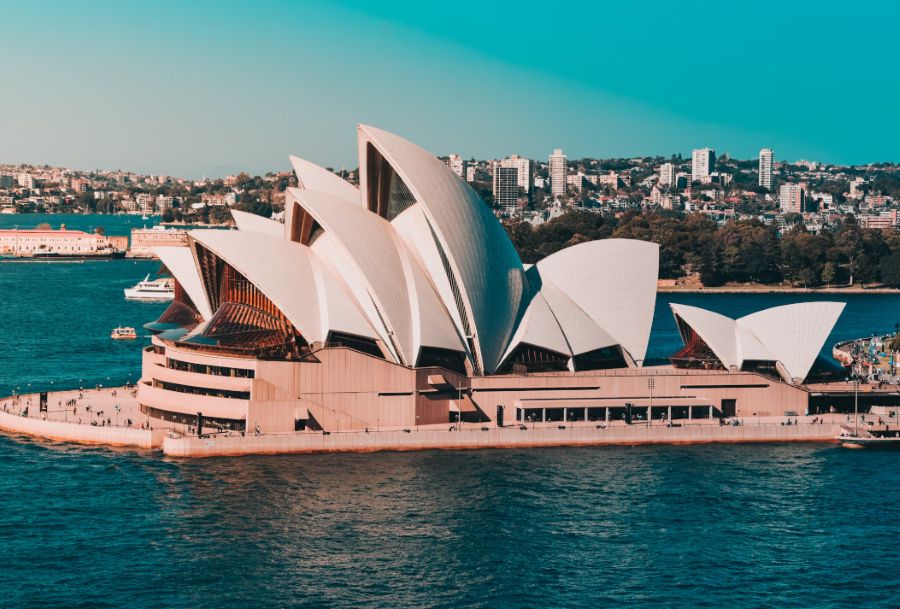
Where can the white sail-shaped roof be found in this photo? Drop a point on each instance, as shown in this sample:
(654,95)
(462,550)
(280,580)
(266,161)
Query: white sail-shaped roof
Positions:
(472,245)
(397,288)
(314,177)
(795,333)
(292,278)
(256,224)
(790,335)
(582,333)
(180,262)
(717,331)
(539,327)
(614,282)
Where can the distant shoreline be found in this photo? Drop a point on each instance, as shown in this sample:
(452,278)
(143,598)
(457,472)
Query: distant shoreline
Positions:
(767,289)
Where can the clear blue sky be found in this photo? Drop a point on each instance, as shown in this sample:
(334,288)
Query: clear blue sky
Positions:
(191,88)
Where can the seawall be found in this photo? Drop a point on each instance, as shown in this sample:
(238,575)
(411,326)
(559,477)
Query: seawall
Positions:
(81,433)
(492,437)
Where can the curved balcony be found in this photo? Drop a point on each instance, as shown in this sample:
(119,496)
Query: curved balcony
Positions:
(191,404)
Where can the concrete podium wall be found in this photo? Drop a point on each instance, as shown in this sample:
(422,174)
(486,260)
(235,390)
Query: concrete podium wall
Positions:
(493,437)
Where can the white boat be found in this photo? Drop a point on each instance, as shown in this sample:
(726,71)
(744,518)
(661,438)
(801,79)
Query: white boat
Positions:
(158,289)
(123,333)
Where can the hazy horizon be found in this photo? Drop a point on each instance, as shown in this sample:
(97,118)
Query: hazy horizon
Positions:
(217,88)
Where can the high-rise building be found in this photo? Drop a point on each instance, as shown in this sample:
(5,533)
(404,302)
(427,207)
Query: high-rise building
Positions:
(790,198)
(506,188)
(558,164)
(703,162)
(457,165)
(511,176)
(667,174)
(470,173)
(766,156)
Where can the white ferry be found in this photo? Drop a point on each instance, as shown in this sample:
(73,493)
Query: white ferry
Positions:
(123,333)
(158,289)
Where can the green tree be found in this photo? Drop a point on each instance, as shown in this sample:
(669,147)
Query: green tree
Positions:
(829,272)
(890,270)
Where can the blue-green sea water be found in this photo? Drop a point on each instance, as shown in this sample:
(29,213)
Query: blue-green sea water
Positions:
(667,526)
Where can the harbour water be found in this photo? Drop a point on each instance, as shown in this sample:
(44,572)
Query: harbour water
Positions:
(670,526)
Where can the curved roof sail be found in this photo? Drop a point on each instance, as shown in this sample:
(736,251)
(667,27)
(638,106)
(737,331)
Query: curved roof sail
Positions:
(180,262)
(481,264)
(613,281)
(314,177)
(795,333)
(256,224)
(789,335)
(292,278)
(393,284)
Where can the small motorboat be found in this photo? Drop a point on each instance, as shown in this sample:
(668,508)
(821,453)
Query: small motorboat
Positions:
(123,333)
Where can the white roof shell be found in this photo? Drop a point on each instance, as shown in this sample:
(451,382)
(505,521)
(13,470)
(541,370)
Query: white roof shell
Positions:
(791,335)
(314,177)
(256,224)
(613,282)
(180,262)
(407,308)
(485,265)
(292,278)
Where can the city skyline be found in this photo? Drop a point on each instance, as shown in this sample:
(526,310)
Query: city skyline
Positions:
(201,90)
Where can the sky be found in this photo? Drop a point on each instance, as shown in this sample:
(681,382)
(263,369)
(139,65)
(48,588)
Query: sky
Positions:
(214,87)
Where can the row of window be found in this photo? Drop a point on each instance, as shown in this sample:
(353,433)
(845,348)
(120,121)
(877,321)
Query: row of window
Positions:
(183,366)
(216,393)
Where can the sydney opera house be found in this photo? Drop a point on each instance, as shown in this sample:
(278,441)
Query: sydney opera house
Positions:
(402,302)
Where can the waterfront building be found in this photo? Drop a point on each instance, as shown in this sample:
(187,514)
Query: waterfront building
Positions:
(403,302)
(703,162)
(558,166)
(766,157)
(666,174)
(32,242)
(790,198)
(143,240)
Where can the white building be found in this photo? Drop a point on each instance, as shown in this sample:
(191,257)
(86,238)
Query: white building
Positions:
(766,156)
(26,180)
(790,198)
(703,162)
(470,173)
(667,174)
(511,177)
(457,165)
(558,164)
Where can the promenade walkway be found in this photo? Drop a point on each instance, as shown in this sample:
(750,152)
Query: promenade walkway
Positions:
(111,416)
(108,416)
